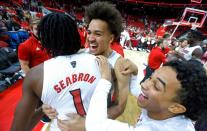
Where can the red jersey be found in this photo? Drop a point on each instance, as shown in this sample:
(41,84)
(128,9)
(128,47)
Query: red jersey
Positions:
(166,50)
(160,32)
(82,37)
(118,48)
(156,58)
(31,51)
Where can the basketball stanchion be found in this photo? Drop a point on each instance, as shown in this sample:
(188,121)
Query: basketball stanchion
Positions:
(191,17)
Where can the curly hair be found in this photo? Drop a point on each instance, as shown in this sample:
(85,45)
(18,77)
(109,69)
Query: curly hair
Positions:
(193,79)
(108,13)
(59,35)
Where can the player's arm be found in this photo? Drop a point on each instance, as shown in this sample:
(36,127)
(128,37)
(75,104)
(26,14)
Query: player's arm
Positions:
(36,116)
(26,107)
(24,65)
(96,118)
(23,56)
(121,90)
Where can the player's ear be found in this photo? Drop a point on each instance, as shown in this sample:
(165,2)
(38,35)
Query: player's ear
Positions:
(112,37)
(177,108)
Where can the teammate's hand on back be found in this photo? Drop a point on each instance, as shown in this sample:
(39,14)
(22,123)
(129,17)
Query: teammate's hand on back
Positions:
(74,123)
(49,111)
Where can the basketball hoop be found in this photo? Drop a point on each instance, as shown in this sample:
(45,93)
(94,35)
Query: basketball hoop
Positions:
(191,17)
(194,16)
(194,26)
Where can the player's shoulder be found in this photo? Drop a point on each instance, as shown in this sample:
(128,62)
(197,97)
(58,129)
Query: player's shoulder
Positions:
(35,72)
(120,60)
(119,64)
(88,55)
(85,56)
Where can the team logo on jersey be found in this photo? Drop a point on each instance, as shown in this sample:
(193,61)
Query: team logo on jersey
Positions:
(73,64)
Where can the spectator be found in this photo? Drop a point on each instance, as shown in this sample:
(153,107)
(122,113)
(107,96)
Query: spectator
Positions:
(204,48)
(12,24)
(183,44)
(179,50)
(156,58)
(30,52)
(125,40)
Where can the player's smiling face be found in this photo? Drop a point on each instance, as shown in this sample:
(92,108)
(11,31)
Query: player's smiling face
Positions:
(158,92)
(99,37)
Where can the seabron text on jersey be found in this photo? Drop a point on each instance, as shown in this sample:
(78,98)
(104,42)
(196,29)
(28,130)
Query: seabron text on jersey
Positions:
(73,79)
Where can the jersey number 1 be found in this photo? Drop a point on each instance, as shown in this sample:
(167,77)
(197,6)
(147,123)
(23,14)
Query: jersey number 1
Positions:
(78,102)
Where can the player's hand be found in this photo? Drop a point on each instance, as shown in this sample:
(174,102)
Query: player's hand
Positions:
(105,68)
(75,123)
(49,111)
(128,67)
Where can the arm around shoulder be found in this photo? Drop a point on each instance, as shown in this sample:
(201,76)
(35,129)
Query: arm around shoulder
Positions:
(96,119)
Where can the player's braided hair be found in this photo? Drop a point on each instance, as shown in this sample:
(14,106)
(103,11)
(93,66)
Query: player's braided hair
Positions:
(58,34)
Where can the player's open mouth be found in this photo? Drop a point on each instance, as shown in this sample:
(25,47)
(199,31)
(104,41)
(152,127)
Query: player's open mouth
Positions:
(93,46)
(142,96)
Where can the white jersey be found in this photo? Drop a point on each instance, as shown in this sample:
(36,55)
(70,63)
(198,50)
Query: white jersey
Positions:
(113,58)
(177,123)
(187,52)
(134,90)
(124,37)
(97,120)
(69,82)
